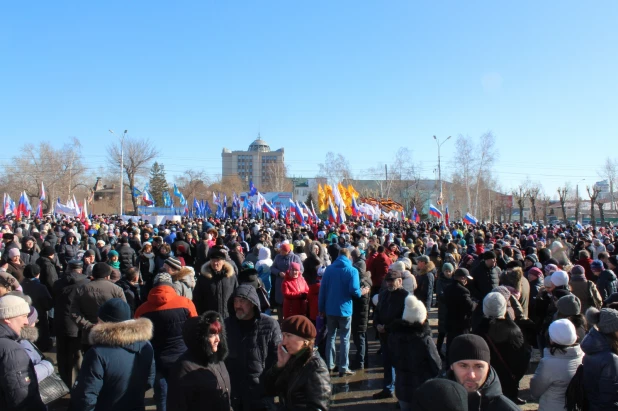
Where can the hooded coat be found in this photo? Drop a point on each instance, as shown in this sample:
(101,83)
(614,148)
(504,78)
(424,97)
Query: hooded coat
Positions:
(340,284)
(295,291)
(118,369)
(252,349)
(489,397)
(606,284)
(414,355)
(600,372)
(199,379)
(19,387)
(213,289)
(263,268)
(184,282)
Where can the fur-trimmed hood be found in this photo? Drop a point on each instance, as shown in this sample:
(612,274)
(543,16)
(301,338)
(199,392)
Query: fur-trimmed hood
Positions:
(29,333)
(429,267)
(195,333)
(185,275)
(208,272)
(122,334)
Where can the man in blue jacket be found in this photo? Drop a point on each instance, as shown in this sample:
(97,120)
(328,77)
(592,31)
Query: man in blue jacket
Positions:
(340,284)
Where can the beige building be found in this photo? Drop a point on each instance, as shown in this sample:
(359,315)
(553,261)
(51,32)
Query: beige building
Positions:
(254,164)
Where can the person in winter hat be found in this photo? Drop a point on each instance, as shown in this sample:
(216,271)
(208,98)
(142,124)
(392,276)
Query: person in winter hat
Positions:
(28,337)
(183,277)
(119,367)
(19,386)
(605,279)
(200,376)
(601,360)
(262,266)
(569,307)
(440,394)
(295,290)
(445,278)
(557,367)
(414,353)
(584,289)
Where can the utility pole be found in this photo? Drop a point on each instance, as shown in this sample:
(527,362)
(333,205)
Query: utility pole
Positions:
(577,201)
(440,200)
(386,177)
(121,167)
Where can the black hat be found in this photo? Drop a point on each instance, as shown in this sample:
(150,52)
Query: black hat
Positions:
(218,255)
(75,263)
(101,270)
(89,253)
(8,236)
(440,394)
(393,274)
(32,270)
(462,272)
(469,347)
(47,251)
(489,255)
(114,310)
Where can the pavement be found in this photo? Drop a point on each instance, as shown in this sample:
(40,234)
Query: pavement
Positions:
(355,392)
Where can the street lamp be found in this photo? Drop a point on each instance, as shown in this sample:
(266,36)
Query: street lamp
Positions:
(577,200)
(121,167)
(439,144)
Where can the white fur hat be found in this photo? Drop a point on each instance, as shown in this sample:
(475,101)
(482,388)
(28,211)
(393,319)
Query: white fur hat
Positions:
(414,311)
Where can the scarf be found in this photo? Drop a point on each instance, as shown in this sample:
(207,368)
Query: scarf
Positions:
(151,264)
(114,264)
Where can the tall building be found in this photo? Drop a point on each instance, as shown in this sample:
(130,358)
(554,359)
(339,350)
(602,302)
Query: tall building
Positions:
(256,164)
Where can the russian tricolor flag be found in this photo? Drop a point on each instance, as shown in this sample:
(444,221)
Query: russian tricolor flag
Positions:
(415,216)
(267,208)
(332,214)
(355,210)
(470,219)
(446,217)
(434,211)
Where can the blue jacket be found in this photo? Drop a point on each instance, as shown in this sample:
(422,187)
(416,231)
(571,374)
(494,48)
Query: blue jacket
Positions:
(340,284)
(600,372)
(118,369)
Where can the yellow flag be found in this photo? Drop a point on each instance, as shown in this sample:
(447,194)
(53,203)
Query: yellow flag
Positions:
(321,199)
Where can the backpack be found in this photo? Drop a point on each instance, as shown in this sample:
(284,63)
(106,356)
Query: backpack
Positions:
(575,396)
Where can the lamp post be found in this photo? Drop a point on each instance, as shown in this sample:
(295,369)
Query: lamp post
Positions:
(439,144)
(121,167)
(577,200)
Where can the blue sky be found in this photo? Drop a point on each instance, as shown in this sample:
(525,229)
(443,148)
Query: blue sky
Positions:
(357,77)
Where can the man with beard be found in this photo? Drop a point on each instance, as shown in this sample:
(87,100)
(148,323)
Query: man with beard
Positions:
(253,339)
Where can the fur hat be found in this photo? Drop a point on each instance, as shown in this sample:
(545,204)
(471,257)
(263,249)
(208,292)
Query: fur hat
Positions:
(414,311)
(494,305)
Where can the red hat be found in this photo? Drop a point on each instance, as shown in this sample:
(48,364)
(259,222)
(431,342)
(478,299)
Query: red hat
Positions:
(342,227)
(285,247)
(295,266)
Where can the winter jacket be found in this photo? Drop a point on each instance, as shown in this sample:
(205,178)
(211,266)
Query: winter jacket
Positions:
(127,257)
(424,284)
(390,308)
(65,293)
(379,268)
(213,290)
(606,284)
(414,355)
(312,264)
(263,268)
(16,270)
(360,305)
(118,369)
(441,284)
(459,308)
(168,312)
(489,397)
(553,375)
(508,343)
(339,285)
(281,264)
(587,293)
(295,291)
(485,279)
(88,299)
(42,302)
(49,275)
(67,253)
(600,372)
(184,282)
(19,387)
(252,349)
(303,383)
(42,367)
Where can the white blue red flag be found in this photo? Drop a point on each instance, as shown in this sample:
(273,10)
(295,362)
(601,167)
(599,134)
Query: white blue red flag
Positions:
(434,211)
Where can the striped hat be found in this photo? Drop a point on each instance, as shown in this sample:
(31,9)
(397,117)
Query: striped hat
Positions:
(174,263)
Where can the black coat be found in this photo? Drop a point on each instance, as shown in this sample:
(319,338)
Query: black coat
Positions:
(459,308)
(303,383)
(424,285)
(390,307)
(127,257)
(42,301)
(252,349)
(441,284)
(19,388)
(68,252)
(49,275)
(360,306)
(64,292)
(311,265)
(485,279)
(213,290)
(414,355)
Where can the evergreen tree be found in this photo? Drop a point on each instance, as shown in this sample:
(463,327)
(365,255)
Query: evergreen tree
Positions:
(309,200)
(158,183)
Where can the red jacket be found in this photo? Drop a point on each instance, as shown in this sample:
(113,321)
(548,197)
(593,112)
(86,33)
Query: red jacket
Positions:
(379,268)
(314,292)
(295,292)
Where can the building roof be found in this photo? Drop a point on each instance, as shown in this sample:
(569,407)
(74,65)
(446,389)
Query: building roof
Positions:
(259,145)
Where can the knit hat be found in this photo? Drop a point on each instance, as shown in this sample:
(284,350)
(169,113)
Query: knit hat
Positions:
(560,278)
(112,253)
(47,251)
(247,265)
(114,310)
(536,271)
(285,247)
(489,255)
(101,270)
(547,281)
(494,305)
(163,279)
(299,325)
(440,394)
(414,311)
(173,263)
(550,268)
(423,259)
(569,305)
(89,253)
(407,263)
(33,316)
(447,267)
(469,347)
(14,252)
(12,306)
(32,270)
(606,319)
(562,332)
(578,270)
(397,266)
(295,266)
(596,265)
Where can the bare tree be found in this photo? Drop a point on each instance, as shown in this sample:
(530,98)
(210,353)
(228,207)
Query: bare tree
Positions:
(593,193)
(464,162)
(193,183)
(534,189)
(384,182)
(600,204)
(519,195)
(276,178)
(138,153)
(563,192)
(544,200)
(335,168)
(227,185)
(610,172)
(486,159)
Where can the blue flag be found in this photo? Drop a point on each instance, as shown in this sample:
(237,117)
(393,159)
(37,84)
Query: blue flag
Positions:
(176,192)
(252,190)
(136,192)
(167,199)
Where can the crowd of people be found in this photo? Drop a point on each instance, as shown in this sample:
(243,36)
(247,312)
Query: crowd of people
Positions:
(245,314)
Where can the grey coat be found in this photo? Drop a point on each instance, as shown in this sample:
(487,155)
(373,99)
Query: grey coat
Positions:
(553,375)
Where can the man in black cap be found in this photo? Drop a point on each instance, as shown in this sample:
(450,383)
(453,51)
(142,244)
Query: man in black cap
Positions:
(486,276)
(459,306)
(67,333)
(49,274)
(391,302)
(90,297)
(127,255)
(469,356)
